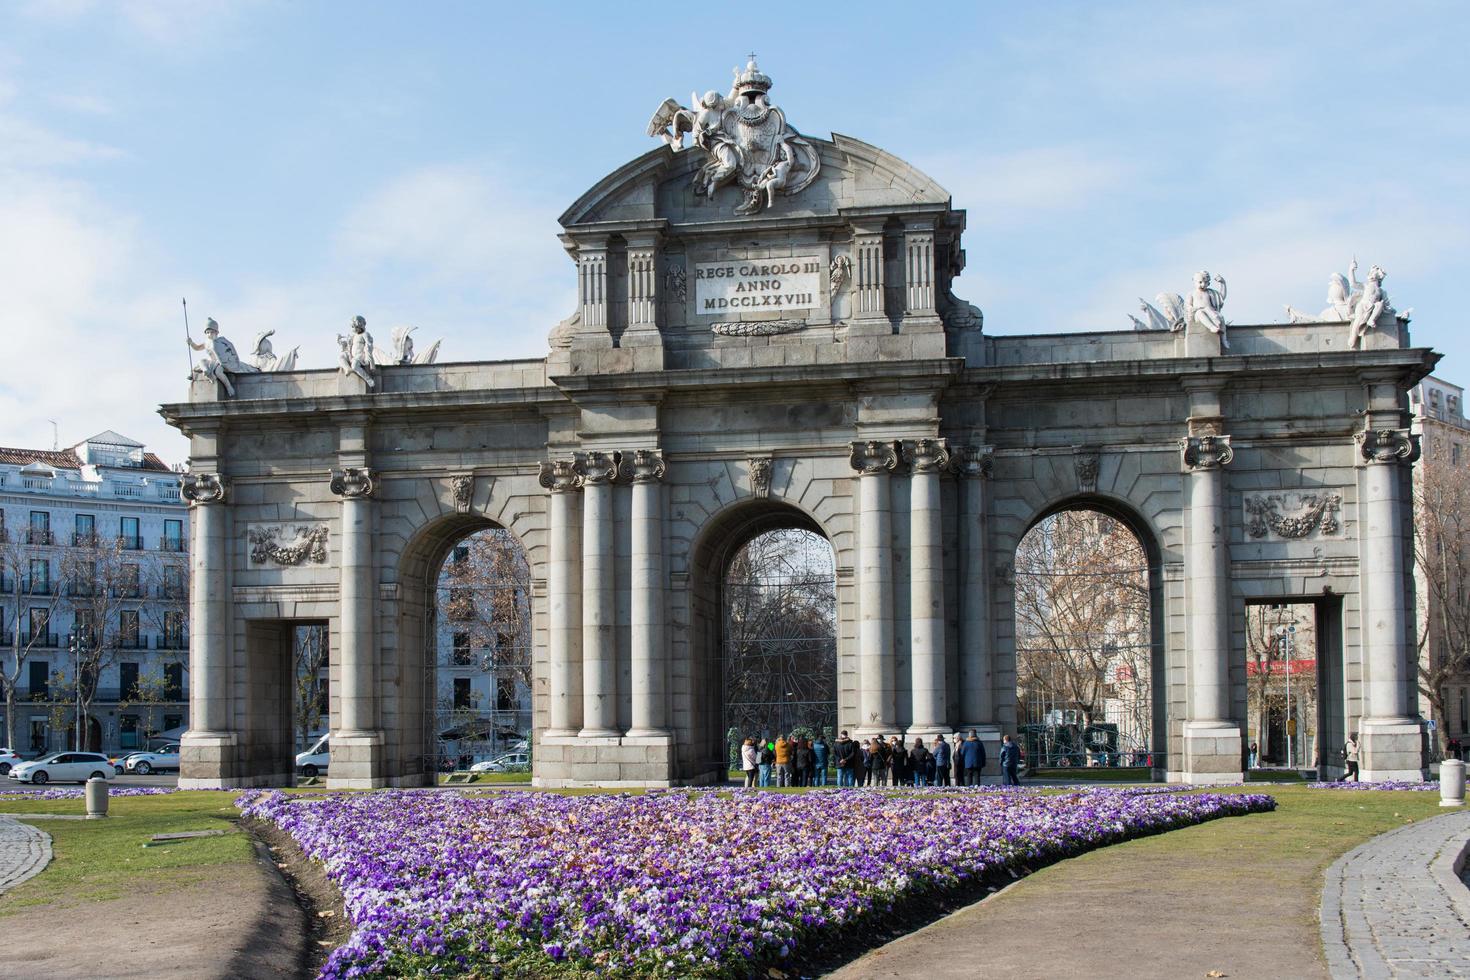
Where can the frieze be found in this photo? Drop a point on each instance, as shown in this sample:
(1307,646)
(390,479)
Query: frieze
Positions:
(286,544)
(1293,515)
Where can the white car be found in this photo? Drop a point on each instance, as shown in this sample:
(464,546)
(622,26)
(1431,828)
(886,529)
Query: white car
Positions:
(8,760)
(144,763)
(75,767)
(510,762)
(313,762)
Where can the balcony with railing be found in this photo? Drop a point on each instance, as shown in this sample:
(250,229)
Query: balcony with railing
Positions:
(48,640)
(112,695)
(130,542)
(173,544)
(171,641)
(129,642)
(36,535)
(175,593)
(81,589)
(128,590)
(85,539)
(38,587)
(126,491)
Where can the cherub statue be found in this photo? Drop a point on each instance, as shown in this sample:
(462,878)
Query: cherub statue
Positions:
(1342,295)
(356,355)
(264,355)
(1369,307)
(220,358)
(1204,305)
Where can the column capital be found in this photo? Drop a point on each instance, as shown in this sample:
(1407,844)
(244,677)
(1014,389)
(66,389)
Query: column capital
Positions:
(599,468)
(203,488)
(561,475)
(1205,452)
(1387,446)
(926,455)
(353,482)
(972,462)
(647,465)
(873,456)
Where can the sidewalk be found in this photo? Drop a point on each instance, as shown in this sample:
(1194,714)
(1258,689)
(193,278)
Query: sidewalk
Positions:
(1396,906)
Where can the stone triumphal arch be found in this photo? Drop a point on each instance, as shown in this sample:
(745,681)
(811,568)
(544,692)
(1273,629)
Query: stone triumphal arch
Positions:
(767,333)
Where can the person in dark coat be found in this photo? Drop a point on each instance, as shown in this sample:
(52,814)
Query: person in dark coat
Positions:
(1010,762)
(849,760)
(823,751)
(941,761)
(972,755)
(879,752)
(919,763)
(898,762)
(865,774)
(803,762)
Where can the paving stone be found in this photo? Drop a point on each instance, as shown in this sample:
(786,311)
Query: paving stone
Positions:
(24,852)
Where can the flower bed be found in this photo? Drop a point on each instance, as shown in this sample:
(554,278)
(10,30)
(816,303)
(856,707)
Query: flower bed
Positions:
(1384,784)
(687,884)
(77,792)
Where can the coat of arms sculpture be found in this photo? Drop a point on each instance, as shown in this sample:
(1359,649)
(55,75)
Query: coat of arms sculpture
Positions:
(747,140)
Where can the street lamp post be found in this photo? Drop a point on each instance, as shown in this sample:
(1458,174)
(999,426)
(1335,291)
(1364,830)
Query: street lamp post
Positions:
(74,644)
(1285,633)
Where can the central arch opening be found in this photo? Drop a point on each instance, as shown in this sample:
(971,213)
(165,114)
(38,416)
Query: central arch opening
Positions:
(1088,650)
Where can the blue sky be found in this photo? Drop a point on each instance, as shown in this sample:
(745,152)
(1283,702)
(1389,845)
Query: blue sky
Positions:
(288,165)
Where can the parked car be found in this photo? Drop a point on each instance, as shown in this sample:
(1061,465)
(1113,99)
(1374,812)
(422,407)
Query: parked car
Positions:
(9,758)
(510,762)
(64,766)
(143,763)
(313,762)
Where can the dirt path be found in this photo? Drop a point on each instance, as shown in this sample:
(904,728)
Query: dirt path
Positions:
(229,921)
(1238,896)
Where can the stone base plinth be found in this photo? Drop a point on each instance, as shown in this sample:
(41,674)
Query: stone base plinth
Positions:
(356,761)
(211,760)
(626,761)
(1211,754)
(1390,750)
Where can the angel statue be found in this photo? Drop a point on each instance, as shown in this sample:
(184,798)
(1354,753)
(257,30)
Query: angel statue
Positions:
(1369,306)
(746,140)
(402,352)
(356,355)
(264,355)
(1343,293)
(220,359)
(1168,315)
(1204,304)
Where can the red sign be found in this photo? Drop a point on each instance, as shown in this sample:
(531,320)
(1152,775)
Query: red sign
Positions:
(1279,668)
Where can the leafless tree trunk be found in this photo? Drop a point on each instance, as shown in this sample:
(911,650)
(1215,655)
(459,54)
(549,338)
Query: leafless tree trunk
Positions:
(1442,559)
(27,607)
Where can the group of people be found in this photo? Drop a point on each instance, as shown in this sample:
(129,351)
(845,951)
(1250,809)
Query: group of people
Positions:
(791,761)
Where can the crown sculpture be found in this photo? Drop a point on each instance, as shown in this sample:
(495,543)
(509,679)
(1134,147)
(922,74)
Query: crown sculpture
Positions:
(747,140)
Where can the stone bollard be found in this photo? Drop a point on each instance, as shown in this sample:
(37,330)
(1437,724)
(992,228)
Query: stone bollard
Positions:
(1451,783)
(97,798)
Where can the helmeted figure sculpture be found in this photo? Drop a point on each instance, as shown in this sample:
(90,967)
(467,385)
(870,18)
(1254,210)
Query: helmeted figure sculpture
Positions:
(220,358)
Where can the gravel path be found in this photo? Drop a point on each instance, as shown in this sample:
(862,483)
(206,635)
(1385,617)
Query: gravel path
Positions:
(24,852)
(1396,905)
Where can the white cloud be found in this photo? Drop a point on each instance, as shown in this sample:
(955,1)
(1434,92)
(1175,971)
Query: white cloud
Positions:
(1001,188)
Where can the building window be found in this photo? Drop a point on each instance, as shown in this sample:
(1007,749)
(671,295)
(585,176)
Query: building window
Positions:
(174,586)
(127,727)
(38,734)
(1455,454)
(40,619)
(462,693)
(505,695)
(173,535)
(173,629)
(127,680)
(130,537)
(127,629)
(86,531)
(82,622)
(173,684)
(40,578)
(1465,709)
(462,657)
(40,530)
(129,585)
(170,722)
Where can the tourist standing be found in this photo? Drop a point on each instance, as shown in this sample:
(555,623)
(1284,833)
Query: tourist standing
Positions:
(972,756)
(768,760)
(1010,762)
(749,760)
(878,762)
(822,751)
(849,758)
(784,750)
(941,761)
(898,762)
(865,775)
(1351,751)
(919,762)
(802,761)
(1254,753)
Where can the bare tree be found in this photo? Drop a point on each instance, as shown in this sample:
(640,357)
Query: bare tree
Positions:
(485,593)
(309,654)
(30,594)
(1267,670)
(1082,606)
(1442,557)
(104,584)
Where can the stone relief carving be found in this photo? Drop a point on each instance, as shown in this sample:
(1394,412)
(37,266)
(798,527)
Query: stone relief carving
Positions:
(353,481)
(403,352)
(1293,515)
(647,465)
(220,359)
(746,139)
(873,456)
(560,475)
(676,281)
(760,475)
(598,467)
(1085,462)
(973,461)
(1206,452)
(1388,445)
(838,275)
(756,328)
(926,455)
(356,352)
(286,544)
(264,355)
(202,488)
(462,489)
